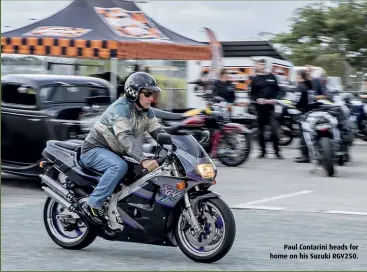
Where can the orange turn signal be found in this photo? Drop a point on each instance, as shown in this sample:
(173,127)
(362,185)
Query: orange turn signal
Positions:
(42,164)
(181,185)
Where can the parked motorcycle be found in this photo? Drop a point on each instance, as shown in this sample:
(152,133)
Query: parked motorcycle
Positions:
(358,115)
(230,142)
(326,140)
(171,206)
(286,115)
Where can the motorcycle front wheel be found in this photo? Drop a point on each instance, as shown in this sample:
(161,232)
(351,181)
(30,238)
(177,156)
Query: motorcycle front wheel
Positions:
(217,237)
(234,149)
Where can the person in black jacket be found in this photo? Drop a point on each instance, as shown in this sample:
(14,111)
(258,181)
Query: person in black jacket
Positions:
(304,89)
(265,86)
(224,88)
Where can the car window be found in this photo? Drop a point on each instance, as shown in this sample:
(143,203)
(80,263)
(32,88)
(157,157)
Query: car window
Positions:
(18,94)
(71,93)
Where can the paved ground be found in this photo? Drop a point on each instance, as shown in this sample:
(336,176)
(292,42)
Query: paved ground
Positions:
(274,202)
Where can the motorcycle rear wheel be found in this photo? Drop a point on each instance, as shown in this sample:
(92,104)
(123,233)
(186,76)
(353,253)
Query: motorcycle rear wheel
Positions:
(61,237)
(327,156)
(222,240)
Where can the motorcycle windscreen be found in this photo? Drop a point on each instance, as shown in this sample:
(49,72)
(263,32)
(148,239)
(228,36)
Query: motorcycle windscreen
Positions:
(192,154)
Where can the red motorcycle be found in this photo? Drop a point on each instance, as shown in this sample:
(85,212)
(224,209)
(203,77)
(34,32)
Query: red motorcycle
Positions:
(229,142)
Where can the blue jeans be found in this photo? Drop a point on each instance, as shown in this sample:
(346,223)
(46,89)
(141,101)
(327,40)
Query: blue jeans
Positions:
(114,168)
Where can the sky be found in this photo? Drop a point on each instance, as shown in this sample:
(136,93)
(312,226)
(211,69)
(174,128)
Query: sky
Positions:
(230,20)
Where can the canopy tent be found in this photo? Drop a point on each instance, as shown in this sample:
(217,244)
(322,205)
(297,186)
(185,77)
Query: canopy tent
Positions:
(102,29)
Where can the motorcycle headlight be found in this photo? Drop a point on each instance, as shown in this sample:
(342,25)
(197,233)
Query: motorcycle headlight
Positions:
(206,171)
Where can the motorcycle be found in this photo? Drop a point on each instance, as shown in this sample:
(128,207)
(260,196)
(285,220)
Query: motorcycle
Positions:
(327,142)
(170,206)
(230,142)
(285,114)
(358,110)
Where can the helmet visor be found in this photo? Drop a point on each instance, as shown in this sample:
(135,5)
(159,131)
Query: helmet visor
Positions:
(154,89)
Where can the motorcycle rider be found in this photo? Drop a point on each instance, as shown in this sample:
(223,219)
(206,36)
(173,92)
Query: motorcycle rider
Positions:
(117,133)
(304,89)
(265,86)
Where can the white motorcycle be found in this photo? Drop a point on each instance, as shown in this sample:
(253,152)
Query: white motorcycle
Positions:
(325,141)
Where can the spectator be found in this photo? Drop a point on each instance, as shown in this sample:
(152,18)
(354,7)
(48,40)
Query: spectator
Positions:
(264,86)
(224,87)
(315,81)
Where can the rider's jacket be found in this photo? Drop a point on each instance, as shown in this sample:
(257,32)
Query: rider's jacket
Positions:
(121,129)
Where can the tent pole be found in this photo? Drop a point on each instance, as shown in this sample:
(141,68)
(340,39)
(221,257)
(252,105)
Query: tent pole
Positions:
(113,76)
(45,64)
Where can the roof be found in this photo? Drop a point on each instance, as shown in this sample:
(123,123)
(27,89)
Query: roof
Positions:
(39,80)
(235,49)
(102,29)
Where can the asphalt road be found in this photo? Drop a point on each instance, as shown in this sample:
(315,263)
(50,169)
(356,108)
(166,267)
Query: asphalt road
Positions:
(275,202)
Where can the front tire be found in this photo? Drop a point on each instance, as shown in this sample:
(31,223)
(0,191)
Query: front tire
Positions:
(221,235)
(234,160)
(76,239)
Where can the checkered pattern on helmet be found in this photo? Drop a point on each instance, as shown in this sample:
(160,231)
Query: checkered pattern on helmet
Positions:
(131,92)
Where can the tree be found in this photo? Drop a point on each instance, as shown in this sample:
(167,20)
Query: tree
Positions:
(328,34)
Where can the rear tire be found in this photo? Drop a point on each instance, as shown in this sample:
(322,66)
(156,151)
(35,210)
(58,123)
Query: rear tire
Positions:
(327,156)
(54,229)
(226,241)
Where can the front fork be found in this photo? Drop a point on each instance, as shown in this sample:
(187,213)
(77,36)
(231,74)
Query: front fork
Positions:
(190,217)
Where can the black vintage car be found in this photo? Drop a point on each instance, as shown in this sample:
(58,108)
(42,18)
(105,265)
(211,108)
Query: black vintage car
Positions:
(36,108)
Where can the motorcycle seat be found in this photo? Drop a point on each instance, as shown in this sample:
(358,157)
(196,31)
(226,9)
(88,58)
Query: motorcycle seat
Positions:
(166,115)
(70,145)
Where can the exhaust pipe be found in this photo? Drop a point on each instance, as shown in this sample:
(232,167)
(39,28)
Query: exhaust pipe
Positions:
(55,186)
(59,199)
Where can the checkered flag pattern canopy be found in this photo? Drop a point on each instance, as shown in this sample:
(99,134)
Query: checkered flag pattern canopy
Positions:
(102,29)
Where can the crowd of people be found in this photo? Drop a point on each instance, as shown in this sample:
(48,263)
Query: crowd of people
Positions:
(263,90)
(130,116)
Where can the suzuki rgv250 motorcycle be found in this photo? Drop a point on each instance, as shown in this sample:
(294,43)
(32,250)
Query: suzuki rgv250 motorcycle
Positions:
(171,206)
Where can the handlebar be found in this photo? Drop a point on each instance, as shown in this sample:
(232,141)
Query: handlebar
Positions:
(144,171)
(161,160)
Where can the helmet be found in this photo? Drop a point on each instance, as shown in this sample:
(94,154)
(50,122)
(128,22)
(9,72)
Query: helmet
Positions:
(138,81)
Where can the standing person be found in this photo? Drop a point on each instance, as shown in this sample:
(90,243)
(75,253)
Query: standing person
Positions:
(224,88)
(265,86)
(316,81)
(303,88)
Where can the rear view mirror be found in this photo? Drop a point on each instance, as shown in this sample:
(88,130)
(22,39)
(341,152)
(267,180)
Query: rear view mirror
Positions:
(164,139)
